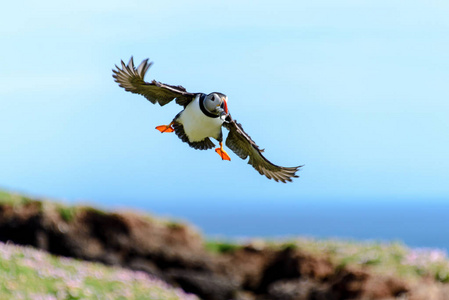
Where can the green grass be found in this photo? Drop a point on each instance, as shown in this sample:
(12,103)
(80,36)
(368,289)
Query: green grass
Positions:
(380,257)
(69,212)
(385,258)
(14,199)
(26,273)
(219,247)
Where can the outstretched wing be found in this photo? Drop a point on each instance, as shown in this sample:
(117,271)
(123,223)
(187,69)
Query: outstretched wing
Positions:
(242,145)
(131,79)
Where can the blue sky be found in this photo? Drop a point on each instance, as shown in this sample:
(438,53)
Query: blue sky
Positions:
(357,91)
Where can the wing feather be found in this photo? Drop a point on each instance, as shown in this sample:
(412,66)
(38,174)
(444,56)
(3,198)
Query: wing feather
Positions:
(132,80)
(242,145)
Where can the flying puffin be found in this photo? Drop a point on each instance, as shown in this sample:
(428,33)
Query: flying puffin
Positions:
(201,119)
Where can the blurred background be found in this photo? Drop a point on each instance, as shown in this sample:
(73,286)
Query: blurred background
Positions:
(356,91)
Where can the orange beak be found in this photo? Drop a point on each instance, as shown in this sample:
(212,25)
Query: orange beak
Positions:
(225,105)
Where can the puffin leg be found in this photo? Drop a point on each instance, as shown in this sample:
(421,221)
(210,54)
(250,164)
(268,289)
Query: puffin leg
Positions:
(165,128)
(222,153)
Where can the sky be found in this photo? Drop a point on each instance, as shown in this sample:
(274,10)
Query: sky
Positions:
(356,91)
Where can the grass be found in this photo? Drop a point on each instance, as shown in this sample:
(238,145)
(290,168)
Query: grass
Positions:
(69,212)
(27,273)
(220,247)
(384,258)
(14,199)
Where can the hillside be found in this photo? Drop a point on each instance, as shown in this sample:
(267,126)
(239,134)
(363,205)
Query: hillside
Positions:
(177,254)
(28,273)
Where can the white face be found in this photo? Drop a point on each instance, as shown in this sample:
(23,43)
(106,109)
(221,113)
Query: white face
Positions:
(214,103)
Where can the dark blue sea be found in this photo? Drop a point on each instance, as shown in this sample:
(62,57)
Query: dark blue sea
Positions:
(415,223)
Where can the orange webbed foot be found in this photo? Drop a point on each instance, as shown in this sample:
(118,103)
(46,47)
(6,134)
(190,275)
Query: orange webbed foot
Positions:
(165,128)
(222,153)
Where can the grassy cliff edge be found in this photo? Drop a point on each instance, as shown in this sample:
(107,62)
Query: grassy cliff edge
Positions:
(177,254)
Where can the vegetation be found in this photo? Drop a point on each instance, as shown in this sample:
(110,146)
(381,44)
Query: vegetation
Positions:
(27,273)
(14,199)
(221,247)
(384,258)
(68,212)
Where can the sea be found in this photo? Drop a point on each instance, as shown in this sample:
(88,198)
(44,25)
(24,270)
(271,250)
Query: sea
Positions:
(417,224)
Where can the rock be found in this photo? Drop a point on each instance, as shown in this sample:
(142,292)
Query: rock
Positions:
(208,286)
(147,266)
(247,265)
(21,224)
(293,289)
(292,263)
(351,283)
(244,295)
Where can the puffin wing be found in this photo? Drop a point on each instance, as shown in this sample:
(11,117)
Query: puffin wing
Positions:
(132,80)
(242,145)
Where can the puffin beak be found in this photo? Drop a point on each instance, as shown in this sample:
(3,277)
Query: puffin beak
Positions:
(225,105)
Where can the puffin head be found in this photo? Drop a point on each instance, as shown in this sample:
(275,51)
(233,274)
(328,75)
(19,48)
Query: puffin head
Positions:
(216,103)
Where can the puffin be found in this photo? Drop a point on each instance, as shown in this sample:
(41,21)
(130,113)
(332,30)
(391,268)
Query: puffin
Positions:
(202,118)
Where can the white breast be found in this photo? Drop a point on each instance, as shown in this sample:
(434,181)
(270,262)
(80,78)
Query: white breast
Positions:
(197,125)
